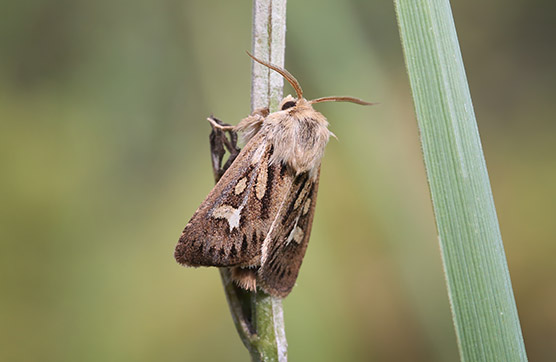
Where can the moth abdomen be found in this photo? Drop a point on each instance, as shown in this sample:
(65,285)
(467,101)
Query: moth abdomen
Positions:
(246,278)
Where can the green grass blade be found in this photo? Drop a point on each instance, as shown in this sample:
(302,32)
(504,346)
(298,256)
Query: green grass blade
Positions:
(479,286)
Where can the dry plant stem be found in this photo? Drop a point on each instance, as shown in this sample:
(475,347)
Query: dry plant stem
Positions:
(258,316)
(269,44)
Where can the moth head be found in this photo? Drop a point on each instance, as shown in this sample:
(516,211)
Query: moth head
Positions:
(289,101)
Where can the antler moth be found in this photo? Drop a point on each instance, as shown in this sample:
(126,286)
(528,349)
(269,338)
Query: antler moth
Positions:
(257,219)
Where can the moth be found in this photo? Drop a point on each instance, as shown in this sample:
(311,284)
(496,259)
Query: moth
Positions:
(257,219)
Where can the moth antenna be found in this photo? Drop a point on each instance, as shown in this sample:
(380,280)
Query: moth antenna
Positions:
(284,73)
(342,99)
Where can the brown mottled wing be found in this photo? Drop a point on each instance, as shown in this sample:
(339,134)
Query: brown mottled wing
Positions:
(230,225)
(284,247)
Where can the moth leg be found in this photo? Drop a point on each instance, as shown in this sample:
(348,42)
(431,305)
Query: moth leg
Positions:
(258,114)
(218,124)
(219,143)
(250,125)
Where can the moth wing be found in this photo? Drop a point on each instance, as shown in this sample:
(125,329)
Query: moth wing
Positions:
(230,225)
(285,246)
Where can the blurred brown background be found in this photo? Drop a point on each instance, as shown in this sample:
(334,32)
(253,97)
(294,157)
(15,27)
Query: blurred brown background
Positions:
(104,154)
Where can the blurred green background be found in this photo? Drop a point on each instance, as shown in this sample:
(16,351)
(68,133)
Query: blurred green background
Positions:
(105,156)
